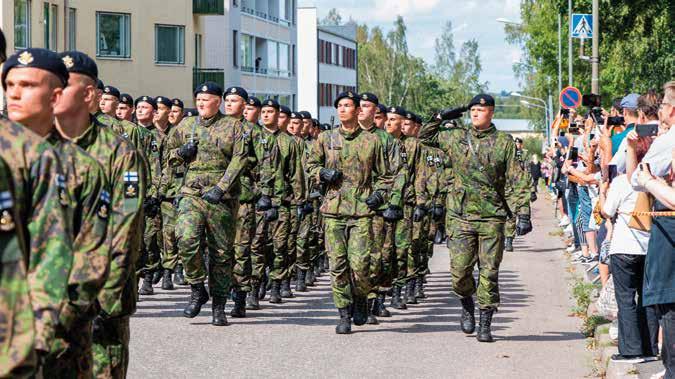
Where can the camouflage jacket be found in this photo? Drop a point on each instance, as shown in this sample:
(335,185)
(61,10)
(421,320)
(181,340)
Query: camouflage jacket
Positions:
(155,157)
(289,176)
(42,201)
(392,159)
(406,168)
(258,179)
(17,333)
(359,156)
(428,183)
(125,169)
(223,153)
(481,170)
(172,176)
(89,211)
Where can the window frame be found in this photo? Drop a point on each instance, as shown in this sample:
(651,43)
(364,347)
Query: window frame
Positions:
(72,28)
(180,44)
(27,29)
(126,38)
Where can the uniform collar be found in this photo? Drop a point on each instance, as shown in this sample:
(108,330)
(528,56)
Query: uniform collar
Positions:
(485,132)
(206,123)
(89,136)
(368,128)
(349,135)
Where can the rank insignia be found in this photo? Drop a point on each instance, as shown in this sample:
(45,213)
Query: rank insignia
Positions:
(131,184)
(61,186)
(6,220)
(104,208)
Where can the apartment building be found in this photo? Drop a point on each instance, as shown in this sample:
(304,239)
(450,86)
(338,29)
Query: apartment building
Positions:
(148,47)
(253,45)
(328,64)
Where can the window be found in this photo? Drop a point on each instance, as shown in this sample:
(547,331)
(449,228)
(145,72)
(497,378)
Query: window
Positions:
(50,18)
(284,59)
(198,50)
(235,52)
(294,59)
(21,24)
(72,28)
(113,35)
(272,58)
(246,52)
(169,44)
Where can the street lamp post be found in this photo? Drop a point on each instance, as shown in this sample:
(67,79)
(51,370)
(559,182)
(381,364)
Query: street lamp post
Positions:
(531,105)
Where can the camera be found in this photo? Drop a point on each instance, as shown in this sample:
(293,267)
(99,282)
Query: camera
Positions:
(647,130)
(616,120)
(591,100)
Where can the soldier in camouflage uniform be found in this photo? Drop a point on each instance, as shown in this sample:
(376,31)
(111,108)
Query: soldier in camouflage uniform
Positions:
(523,157)
(352,164)
(252,110)
(484,175)
(215,149)
(43,212)
(125,169)
(176,113)
(125,108)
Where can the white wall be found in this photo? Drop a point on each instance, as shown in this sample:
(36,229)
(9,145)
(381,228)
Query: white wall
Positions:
(308,55)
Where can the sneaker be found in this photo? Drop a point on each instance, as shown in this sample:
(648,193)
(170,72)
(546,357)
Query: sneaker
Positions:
(571,248)
(564,221)
(618,358)
(659,375)
(650,358)
(578,259)
(585,260)
(568,230)
(614,331)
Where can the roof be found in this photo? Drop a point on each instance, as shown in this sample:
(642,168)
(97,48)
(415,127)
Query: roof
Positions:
(513,125)
(347,31)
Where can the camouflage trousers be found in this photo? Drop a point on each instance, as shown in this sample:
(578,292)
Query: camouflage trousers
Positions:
(197,221)
(315,235)
(169,245)
(476,242)
(298,261)
(382,255)
(245,230)
(269,247)
(419,247)
(111,348)
(71,354)
(510,227)
(348,242)
(151,251)
(403,244)
(304,243)
(17,331)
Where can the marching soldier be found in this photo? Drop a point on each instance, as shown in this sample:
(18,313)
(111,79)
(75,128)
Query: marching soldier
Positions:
(484,174)
(252,110)
(215,149)
(176,114)
(380,118)
(125,108)
(522,157)
(352,164)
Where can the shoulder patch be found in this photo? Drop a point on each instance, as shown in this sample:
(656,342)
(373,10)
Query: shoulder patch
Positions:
(104,207)
(6,219)
(130,184)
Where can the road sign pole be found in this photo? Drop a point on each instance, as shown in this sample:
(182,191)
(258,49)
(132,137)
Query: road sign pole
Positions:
(570,80)
(559,51)
(595,59)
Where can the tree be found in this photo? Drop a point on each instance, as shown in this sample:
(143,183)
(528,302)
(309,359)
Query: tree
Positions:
(333,18)
(445,52)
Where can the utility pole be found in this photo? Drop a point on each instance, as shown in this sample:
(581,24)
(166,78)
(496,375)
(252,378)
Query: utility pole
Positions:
(559,51)
(570,78)
(595,58)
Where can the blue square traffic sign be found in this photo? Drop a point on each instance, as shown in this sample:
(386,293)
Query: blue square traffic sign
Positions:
(582,26)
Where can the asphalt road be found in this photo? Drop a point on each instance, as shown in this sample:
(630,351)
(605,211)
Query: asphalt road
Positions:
(535,336)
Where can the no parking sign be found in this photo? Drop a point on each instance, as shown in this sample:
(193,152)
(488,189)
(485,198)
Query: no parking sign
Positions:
(570,97)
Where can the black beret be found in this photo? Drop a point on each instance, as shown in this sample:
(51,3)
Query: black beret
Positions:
(99,85)
(3,47)
(418,118)
(125,98)
(305,115)
(398,110)
(177,103)
(254,101)
(237,91)
(381,108)
(210,88)
(36,58)
(325,127)
(346,95)
(110,90)
(285,110)
(518,140)
(367,96)
(80,63)
(295,116)
(482,99)
(410,116)
(146,99)
(315,123)
(271,103)
(163,100)
(189,112)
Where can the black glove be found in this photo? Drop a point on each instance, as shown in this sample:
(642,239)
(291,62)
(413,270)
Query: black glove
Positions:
(523,225)
(375,200)
(188,151)
(307,209)
(264,203)
(300,212)
(176,201)
(419,213)
(272,214)
(151,206)
(330,175)
(393,213)
(533,197)
(214,195)
(437,212)
(97,326)
(452,113)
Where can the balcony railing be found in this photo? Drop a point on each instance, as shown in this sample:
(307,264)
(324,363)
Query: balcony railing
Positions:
(208,7)
(201,75)
(266,72)
(265,16)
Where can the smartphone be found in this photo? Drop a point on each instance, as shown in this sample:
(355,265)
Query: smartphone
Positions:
(592,136)
(612,172)
(647,130)
(561,133)
(573,154)
(573,129)
(616,120)
(591,100)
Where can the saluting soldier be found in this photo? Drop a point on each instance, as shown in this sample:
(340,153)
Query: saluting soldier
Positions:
(484,176)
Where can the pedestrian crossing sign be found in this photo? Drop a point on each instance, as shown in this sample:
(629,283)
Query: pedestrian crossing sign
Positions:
(582,26)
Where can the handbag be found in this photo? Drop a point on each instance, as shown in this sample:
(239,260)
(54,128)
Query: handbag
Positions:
(643,204)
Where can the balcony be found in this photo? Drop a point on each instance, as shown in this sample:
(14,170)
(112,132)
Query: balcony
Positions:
(208,7)
(201,75)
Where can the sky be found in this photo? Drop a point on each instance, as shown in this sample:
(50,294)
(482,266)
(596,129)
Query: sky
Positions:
(425,19)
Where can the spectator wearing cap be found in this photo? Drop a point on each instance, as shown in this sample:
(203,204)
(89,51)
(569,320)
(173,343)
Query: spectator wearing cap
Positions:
(284,118)
(629,105)
(236,99)
(380,116)
(125,108)
(252,110)
(176,114)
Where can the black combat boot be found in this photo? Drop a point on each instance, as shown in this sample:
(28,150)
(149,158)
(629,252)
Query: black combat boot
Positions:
(410,292)
(372,312)
(252,298)
(286,289)
(318,268)
(419,288)
(157,276)
(146,288)
(360,310)
(265,283)
(380,308)
(484,334)
(239,309)
(468,319)
(326,266)
(396,301)
(218,309)
(198,297)
(300,284)
(310,278)
(167,283)
(275,292)
(345,324)
(178,276)
(508,244)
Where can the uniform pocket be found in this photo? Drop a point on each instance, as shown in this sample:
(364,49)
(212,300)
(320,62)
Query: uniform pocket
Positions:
(455,201)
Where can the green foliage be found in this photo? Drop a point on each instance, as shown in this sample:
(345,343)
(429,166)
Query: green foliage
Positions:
(590,323)
(582,294)
(533,146)
(333,18)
